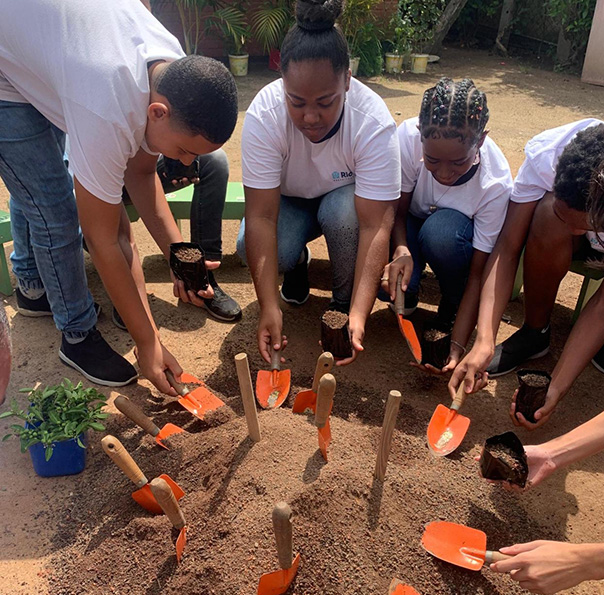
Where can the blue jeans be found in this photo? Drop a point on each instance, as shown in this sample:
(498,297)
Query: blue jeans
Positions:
(44,218)
(302,220)
(444,241)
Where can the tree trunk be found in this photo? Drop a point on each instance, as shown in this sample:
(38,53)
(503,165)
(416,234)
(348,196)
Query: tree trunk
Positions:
(505,27)
(447,18)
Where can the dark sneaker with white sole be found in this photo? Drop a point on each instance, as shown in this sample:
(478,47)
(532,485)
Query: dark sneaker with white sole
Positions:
(97,361)
(117,320)
(598,360)
(525,344)
(222,306)
(296,288)
(40,306)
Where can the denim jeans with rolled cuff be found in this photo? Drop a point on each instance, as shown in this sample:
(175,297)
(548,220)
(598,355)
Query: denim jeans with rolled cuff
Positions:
(302,220)
(444,241)
(47,241)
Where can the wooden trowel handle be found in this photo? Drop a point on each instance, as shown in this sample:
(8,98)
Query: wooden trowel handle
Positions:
(135,413)
(282,526)
(399,300)
(491,557)
(165,498)
(327,388)
(275,359)
(324,365)
(460,397)
(181,389)
(121,457)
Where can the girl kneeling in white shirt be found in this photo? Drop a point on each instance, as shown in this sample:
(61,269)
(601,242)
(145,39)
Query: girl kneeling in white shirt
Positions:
(320,156)
(455,188)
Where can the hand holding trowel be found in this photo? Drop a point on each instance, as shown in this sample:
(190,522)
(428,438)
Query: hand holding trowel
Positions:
(307,399)
(327,388)
(406,326)
(272,387)
(143,496)
(165,497)
(447,427)
(200,400)
(135,413)
(459,545)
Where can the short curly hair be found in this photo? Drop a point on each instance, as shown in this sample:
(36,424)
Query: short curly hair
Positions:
(577,166)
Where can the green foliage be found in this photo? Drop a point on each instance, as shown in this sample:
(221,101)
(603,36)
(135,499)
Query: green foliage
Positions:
(271,22)
(575,17)
(370,52)
(474,12)
(419,17)
(399,34)
(358,24)
(55,414)
(230,22)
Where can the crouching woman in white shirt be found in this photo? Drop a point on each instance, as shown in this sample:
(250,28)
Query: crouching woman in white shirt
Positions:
(320,156)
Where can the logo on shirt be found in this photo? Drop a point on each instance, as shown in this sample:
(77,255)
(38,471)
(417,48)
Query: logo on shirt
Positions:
(341,175)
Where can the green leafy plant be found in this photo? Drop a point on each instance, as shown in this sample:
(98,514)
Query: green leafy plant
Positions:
(230,22)
(356,22)
(575,17)
(419,18)
(399,34)
(55,414)
(271,21)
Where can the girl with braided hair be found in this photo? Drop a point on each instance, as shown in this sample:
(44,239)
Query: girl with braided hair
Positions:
(548,218)
(455,188)
(320,156)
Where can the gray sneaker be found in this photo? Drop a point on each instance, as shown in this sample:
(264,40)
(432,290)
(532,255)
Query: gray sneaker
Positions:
(526,343)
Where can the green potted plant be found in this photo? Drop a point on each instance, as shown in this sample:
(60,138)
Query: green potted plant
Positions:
(55,425)
(270,23)
(398,43)
(421,17)
(230,22)
(358,25)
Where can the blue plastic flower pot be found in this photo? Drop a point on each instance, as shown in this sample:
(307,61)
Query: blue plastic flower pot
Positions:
(67,458)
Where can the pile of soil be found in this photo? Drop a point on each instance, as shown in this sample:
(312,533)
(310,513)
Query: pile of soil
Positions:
(186,254)
(354,533)
(535,380)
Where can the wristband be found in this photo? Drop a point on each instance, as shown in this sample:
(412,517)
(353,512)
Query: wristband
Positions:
(463,349)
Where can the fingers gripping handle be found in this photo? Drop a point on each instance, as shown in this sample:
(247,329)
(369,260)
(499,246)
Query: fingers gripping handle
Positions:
(460,397)
(181,389)
(327,388)
(121,457)
(165,498)
(135,413)
(282,526)
(491,557)
(324,365)
(399,300)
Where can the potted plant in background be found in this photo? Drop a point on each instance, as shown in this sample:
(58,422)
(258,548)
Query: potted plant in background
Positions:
(421,17)
(230,23)
(55,426)
(270,22)
(398,43)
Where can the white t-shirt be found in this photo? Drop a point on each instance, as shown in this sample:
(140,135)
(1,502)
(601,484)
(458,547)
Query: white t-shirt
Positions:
(537,173)
(363,152)
(483,198)
(83,65)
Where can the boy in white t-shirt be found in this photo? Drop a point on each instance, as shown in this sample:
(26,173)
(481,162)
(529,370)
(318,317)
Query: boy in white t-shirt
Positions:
(113,78)
(320,156)
(455,188)
(548,211)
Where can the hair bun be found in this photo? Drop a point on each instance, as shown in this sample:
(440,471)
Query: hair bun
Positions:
(317,15)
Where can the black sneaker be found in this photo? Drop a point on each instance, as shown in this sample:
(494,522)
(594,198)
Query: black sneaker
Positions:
(117,320)
(526,343)
(296,288)
(598,360)
(39,307)
(222,306)
(97,361)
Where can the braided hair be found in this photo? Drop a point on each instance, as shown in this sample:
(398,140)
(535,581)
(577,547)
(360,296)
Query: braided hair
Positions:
(454,110)
(315,35)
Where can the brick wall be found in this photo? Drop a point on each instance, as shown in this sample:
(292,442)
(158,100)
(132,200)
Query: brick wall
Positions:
(167,13)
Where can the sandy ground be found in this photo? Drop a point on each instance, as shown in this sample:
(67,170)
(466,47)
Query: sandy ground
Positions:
(523,101)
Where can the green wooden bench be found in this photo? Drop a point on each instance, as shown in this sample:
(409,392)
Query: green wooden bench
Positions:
(180,205)
(592,279)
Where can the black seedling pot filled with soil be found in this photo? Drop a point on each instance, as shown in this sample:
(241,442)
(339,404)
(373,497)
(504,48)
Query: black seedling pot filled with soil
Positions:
(436,346)
(187,261)
(503,459)
(533,385)
(335,336)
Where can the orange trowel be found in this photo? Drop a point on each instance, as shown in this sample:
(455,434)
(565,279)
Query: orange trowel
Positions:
(278,582)
(272,387)
(135,413)
(143,496)
(398,588)
(447,427)
(327,388)
(459,545)
(198,401)
(406,326)
(307,399)
(165,497)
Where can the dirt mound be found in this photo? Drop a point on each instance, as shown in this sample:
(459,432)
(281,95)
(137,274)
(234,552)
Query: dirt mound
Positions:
(354,533)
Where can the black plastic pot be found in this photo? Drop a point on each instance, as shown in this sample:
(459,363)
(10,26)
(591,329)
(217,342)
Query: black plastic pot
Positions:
(503,459)
(530,398)
(435,352)
(193,274)
(336,339)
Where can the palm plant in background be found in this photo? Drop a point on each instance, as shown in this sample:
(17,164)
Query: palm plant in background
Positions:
(271,22)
